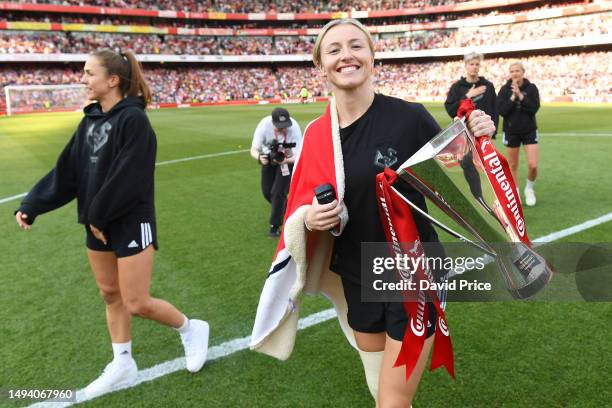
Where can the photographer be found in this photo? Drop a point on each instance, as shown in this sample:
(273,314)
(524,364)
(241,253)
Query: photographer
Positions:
(273,145)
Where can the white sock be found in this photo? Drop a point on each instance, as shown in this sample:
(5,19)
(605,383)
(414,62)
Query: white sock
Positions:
(529,185)
(122,351)
(185,327)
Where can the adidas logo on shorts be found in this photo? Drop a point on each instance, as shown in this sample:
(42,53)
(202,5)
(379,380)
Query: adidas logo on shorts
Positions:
(133,244)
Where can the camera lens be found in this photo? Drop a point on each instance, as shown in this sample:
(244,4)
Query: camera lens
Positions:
(279,156)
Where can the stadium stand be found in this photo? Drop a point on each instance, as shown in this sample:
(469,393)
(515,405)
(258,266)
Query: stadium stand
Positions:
(253,6)
(196,53)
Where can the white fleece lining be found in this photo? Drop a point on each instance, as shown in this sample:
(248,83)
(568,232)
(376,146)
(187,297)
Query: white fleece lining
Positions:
(338,158)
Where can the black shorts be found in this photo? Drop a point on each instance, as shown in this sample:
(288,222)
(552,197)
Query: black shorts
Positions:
(377,317)
(511,140)
(125,238)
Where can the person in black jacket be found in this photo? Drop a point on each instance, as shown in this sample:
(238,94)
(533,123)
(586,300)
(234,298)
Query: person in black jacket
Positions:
(375,131)
(481,91)
(108,166)
(518,101)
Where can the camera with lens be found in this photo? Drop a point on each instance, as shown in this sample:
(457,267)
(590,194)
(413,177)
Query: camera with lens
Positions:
(275,151)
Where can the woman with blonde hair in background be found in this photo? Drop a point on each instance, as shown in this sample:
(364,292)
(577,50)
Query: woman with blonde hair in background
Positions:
(518,102)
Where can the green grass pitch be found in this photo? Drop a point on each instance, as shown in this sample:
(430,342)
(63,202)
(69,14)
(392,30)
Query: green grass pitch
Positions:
(212,222)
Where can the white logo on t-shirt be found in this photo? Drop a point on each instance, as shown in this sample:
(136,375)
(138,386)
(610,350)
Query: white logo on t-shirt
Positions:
(98,137)
(381,160)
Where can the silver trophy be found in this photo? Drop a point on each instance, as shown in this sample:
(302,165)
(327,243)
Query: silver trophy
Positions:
(449,172)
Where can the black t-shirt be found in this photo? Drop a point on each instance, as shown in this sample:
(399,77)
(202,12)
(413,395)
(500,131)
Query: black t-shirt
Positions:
(386,135)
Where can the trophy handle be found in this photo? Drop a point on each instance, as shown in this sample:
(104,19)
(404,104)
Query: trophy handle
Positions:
(435,197)
(445,228)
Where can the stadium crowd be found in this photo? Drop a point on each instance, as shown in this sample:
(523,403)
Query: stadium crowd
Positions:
(12,42)
(15,42)
(583,77)
(252,6)
(162,22)
(576,26)
(159,22)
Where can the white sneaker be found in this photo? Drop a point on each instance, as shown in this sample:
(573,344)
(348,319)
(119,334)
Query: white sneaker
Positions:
(195,342)
(116,375)
(530,198)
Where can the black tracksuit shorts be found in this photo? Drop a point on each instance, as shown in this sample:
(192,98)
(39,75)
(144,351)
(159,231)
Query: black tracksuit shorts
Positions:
(125,238)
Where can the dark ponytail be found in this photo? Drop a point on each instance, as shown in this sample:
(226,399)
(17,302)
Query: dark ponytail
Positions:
(128,69)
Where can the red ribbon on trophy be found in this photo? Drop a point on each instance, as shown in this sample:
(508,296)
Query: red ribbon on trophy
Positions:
(403,237)
(501,179)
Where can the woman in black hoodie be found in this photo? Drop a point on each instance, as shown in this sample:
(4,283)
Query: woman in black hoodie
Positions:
(517,102)
(108,166)
(477,88)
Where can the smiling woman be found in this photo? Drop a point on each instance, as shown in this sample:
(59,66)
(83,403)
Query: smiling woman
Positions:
(344,53)
(108,166)
(110,76)
(360,134)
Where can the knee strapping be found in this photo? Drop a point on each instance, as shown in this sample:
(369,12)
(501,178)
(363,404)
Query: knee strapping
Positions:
(372,361)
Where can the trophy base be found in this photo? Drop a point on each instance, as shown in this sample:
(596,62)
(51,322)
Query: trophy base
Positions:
(530,289)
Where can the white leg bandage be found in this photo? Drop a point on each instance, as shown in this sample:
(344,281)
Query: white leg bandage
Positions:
(372,361)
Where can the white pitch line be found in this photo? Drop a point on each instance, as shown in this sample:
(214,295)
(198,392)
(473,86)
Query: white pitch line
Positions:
(204,156)
(233,346)
(578,134)
(575,229)
(207,156)
(11,198)
(550,238)
(178,364)
(162,163)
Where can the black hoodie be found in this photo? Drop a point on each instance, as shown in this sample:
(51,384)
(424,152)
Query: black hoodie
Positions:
(519,116)
(108,165)
(485,101)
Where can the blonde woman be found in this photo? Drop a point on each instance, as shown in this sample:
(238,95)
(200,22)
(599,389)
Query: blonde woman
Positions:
(518,102)
(359,135)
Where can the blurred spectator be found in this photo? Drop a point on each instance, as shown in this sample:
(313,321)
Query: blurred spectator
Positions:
(584,77)
(14,16)
(252,6)
(17,42)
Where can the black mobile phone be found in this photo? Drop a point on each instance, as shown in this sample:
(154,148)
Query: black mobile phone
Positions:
(325,193)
